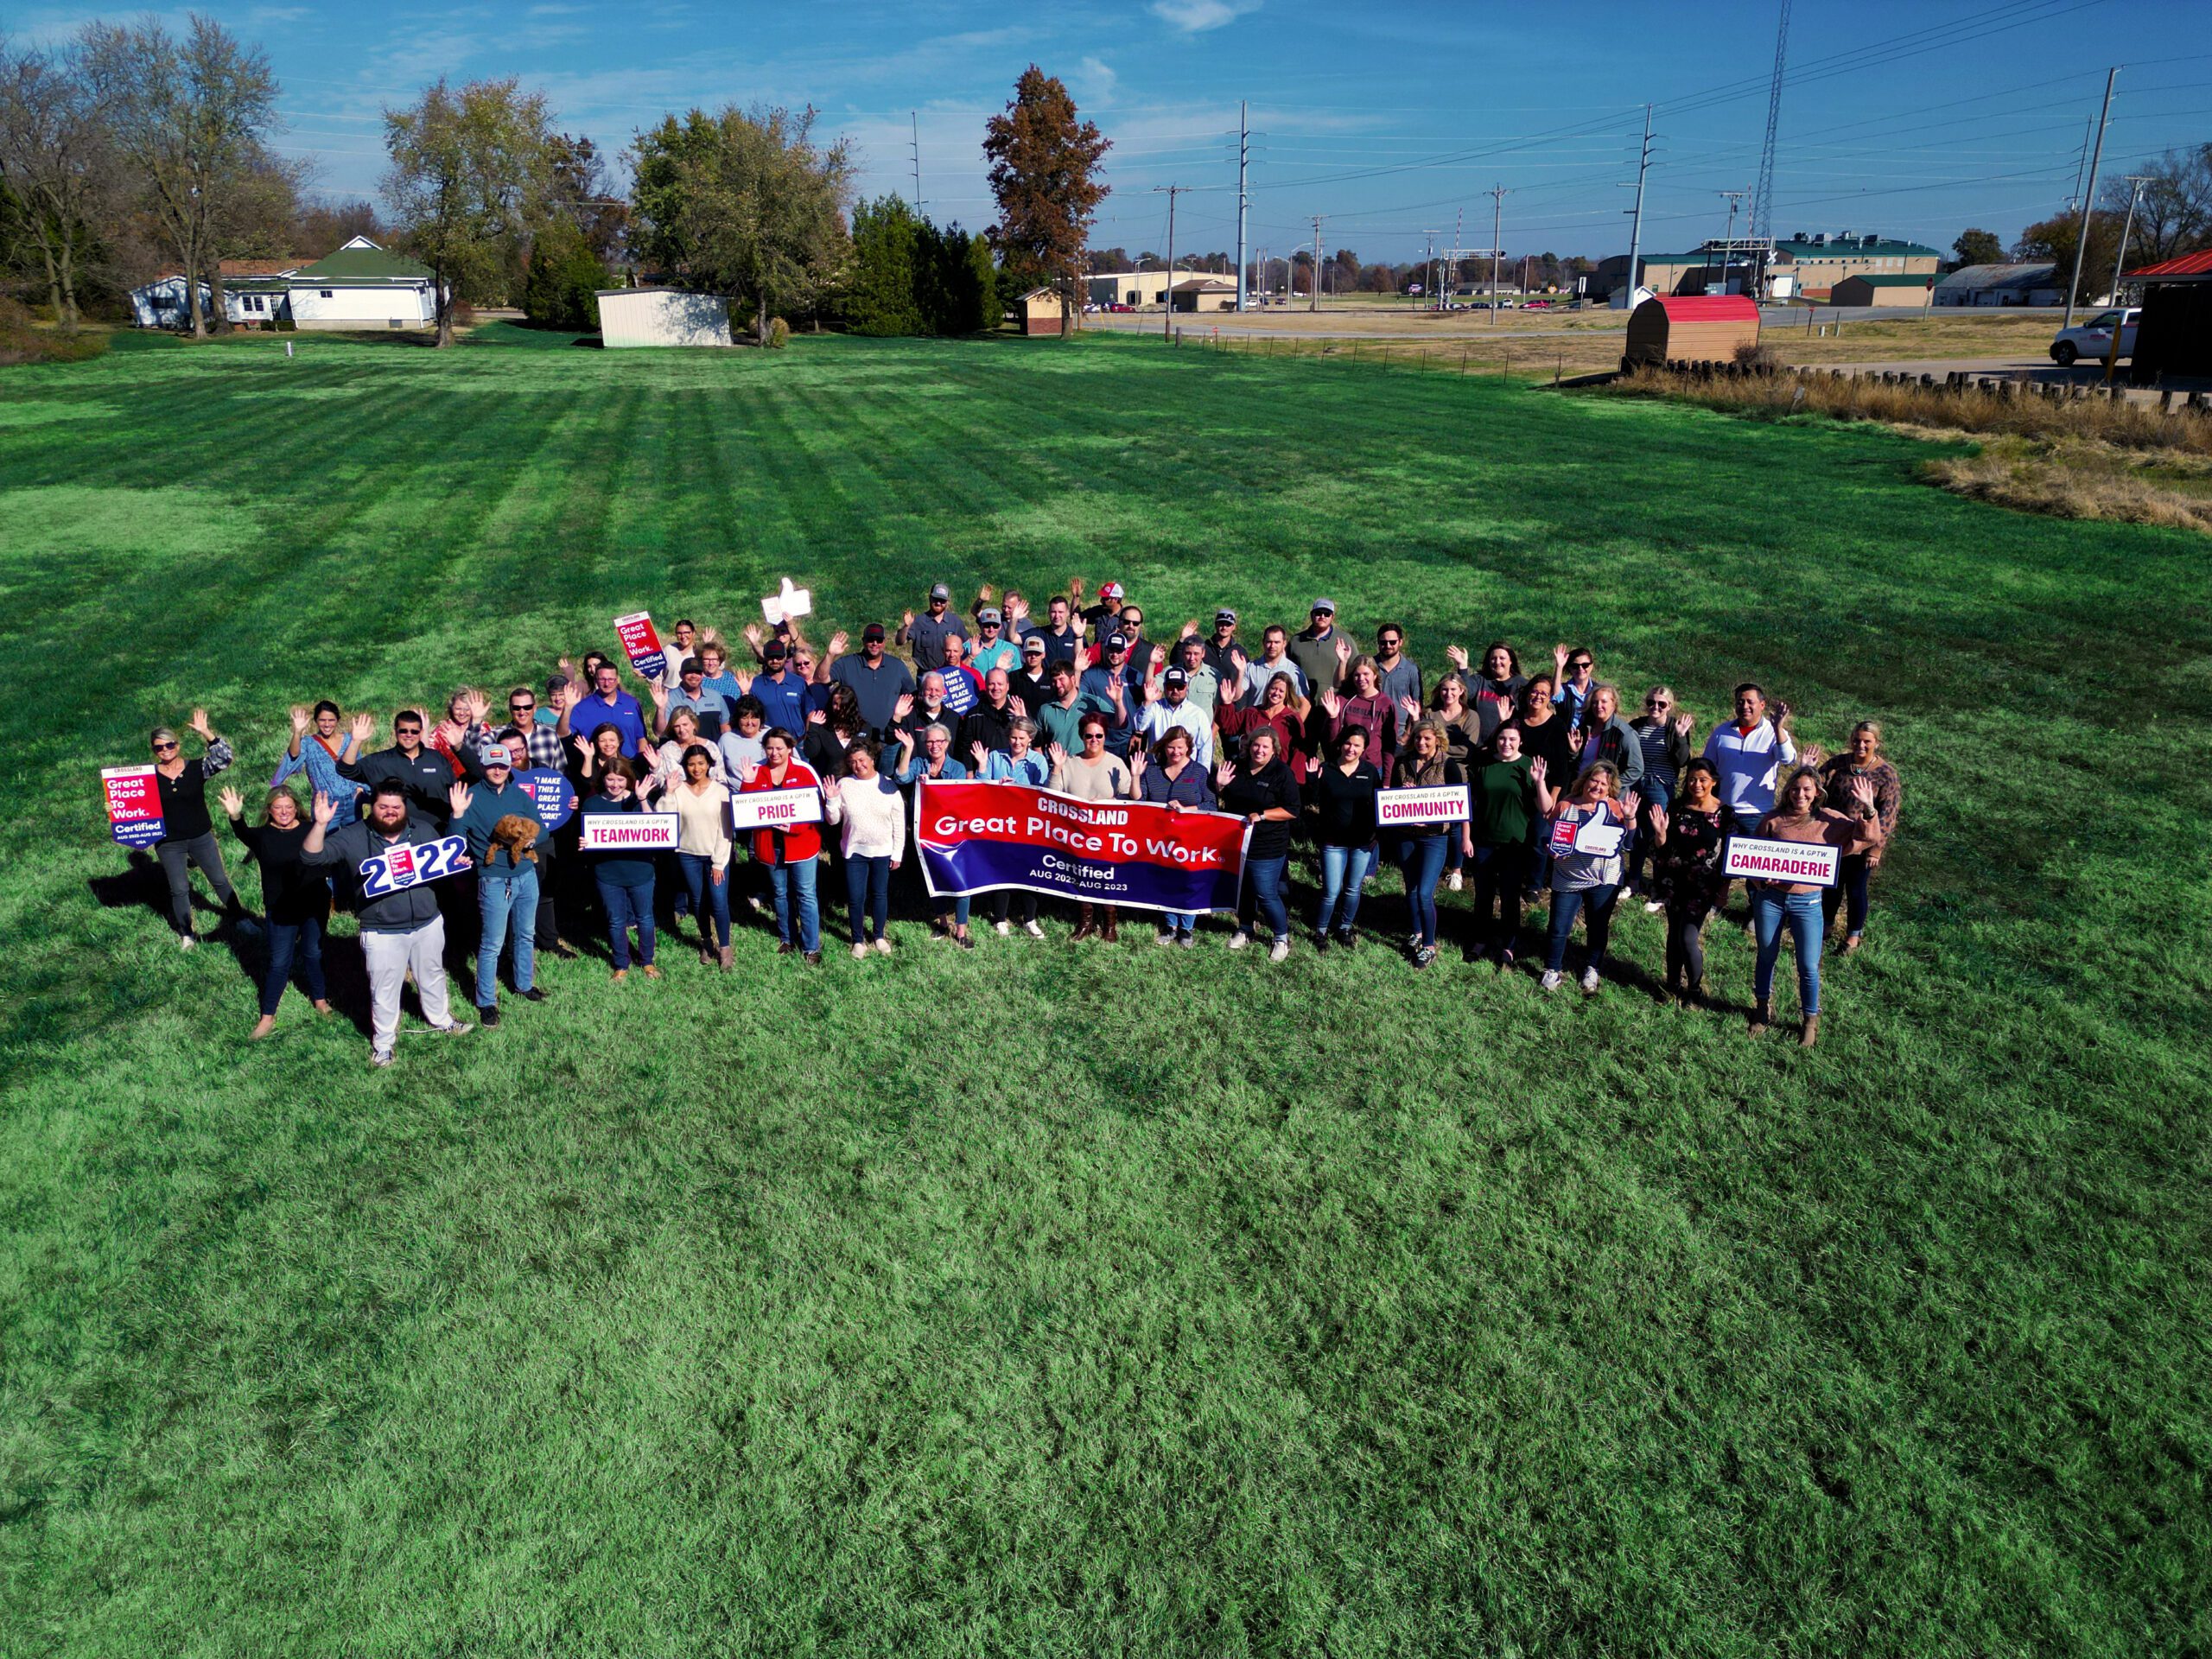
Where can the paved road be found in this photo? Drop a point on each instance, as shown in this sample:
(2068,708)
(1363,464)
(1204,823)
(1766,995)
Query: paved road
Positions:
(1452,331)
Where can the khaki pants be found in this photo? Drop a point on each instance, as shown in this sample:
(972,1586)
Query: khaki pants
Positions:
(391,957)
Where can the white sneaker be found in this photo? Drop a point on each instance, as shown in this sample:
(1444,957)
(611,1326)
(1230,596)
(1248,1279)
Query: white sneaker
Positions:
(1163,939)
(1239,939)
(186,942)
(860,953)
(1589,981)
(1035,931)
(1278,951)
(1455,881)
(1002,929)
(1653,906)
(1551,980)
(378,1062)
(882,947)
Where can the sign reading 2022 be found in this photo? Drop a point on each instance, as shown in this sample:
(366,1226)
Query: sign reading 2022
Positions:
(409,864)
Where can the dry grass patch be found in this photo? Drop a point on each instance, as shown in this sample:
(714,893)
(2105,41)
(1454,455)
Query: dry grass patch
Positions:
(2073,479)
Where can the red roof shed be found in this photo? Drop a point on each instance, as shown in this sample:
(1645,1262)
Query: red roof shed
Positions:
(1692,328)
(2173,338)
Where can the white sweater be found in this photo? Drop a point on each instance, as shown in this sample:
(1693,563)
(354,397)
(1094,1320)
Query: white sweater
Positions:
(874,815)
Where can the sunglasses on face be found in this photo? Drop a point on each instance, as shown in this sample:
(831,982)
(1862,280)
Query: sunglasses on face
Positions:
(520,708)
(163,748)
(1578,666)
(1654,702)
(407,731)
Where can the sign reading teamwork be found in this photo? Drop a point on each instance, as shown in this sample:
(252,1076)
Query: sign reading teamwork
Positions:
(1444,804)
(641,644)
(977,836)
(1758,860)
(134,804)
(629,832)
(552,797)
(409,864)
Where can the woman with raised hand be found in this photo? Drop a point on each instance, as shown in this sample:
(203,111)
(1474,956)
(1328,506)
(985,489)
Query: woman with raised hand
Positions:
(1546,736)
(1260,789)
(1280,710)
(1020,762)
(294,900)
(872,816)
(188,831)
(624,877)
(463,731)
(1340,796)
(1364,707)
(1663,731)
(936,764)
(1093,775)
(1504,816)
(794,855)
(702,849)
(1175,780)
(320,749)
(1689,838)
(1798,816)
(1588,825)
(683,736)
(1493,690)
(1428,764)
(1840,774)
(832,731)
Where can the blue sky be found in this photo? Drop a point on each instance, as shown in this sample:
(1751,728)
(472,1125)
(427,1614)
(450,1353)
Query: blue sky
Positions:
(1912,119)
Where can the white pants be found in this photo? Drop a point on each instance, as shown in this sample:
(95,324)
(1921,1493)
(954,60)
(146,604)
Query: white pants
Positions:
(391,957)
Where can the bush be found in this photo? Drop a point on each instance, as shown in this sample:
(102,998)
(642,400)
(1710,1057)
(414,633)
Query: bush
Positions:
(779,333)
(22,340)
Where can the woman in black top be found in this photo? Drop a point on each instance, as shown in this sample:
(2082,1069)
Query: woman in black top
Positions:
(1262,792)
(830,732)
(1546,735)
(294,899)
(187,833)
(1687,841)
(1341,797)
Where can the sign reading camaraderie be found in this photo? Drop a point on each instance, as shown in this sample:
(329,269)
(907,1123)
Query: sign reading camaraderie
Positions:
(626,832)
(974,837)
(1444,803)
(409,864)
(641,644)
(1780,860)
(134,804)
(774,808)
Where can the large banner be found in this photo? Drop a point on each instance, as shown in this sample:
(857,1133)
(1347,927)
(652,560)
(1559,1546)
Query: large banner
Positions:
(641,644)
(134,804)
(974,837)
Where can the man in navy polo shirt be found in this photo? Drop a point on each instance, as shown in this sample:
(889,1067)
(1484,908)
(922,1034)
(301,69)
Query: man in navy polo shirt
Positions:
(781,688)
(878,680)
(607,705)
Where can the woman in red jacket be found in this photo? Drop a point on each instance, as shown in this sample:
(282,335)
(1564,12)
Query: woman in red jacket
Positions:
(792,855)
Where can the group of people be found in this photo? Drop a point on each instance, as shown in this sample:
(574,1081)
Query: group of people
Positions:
(1568,795)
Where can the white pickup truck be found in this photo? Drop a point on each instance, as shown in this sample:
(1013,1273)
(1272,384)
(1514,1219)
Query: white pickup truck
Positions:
(2093,339)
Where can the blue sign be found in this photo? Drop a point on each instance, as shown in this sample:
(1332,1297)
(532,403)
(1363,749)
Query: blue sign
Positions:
(551,796)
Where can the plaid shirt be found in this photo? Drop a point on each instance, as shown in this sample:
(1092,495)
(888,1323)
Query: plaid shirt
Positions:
(543,743)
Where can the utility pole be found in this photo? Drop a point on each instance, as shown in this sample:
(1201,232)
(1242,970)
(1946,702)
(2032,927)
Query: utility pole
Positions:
(2136,182)
(1636,220)
(1243,196)
(1431,235)
(1313,277)
(2082,241)
(1728,238)
(2080,166)
(1168,296)
(914,126)
(1498,194)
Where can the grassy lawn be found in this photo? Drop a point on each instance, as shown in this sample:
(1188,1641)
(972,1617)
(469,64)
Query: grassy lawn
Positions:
(1095,1300)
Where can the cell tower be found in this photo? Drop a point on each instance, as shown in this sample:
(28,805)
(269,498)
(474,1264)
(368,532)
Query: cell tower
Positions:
(1761,222)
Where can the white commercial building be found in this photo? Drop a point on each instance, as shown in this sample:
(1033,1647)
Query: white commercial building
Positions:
(662,316)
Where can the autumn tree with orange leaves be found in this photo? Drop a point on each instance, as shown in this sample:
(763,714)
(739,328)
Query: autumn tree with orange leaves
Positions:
(1044,163)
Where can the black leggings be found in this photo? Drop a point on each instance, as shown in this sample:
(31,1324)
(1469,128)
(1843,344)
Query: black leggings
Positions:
(1686,946)
(1849,893)
(1003,901)
(200,850)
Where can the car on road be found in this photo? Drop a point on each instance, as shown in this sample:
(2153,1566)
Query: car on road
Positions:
(2093,339)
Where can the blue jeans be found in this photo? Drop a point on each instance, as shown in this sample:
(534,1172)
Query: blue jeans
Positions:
(504,896)
(1178,921)
(628,907)
(867,896)
(1597,903)
(304,935)
(1421,857)
(1343,869)
(1771,909)
(707,896)
(795,882)
(1263,879)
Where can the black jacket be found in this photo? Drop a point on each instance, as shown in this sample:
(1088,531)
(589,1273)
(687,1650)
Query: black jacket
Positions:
(425,775)
(291,892)
(345,848)
(1262,792)
(987,726)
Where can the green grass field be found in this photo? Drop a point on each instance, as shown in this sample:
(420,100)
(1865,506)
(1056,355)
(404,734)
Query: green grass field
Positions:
(1074,1302)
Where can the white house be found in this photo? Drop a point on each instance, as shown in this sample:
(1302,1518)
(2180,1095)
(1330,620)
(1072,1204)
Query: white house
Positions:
(254,290)
(361,286)
(662,316)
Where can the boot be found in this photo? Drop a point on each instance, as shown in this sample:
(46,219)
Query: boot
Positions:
(1811,1034)
(1695,996)
(728,955)
(706,956)
(1083,925)
(1762,1017)
(1111,933)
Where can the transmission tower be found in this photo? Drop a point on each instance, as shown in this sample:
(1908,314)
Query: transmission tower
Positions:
(1761,222)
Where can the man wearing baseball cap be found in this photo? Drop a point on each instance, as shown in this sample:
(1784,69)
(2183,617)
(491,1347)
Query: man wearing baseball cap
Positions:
(1222,646)
(1105,692)
(781,689)
(993,649)
(1105,616)
(927,632)
(877,679)
(506,886)
(1026,684)
(1167,706)
(1319,646)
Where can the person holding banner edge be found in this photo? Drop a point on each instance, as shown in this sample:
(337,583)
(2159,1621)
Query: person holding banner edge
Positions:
(1022,762)
(1261,789)
(188,831)
(936,763)
(1798,816)
(1093,775)
(1178,781)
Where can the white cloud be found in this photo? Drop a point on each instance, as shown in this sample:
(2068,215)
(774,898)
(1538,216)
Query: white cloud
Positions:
(1195,16)
(1097,79)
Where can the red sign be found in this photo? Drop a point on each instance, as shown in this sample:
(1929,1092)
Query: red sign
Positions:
(134,804)
(976,836)
(640,643)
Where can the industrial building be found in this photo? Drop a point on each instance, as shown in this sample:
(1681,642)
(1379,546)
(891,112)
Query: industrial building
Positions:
(1906,292)
(1993,285)
(1807,266)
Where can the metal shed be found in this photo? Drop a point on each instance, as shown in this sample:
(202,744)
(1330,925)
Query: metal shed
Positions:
(1892,290)
(2173,337)
(662,316)
(1703,328)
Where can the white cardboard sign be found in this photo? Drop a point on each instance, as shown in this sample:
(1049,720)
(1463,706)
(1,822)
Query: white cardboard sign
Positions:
(1760,859)
(623,832)
(774,809)
(1445,802)
(789,602)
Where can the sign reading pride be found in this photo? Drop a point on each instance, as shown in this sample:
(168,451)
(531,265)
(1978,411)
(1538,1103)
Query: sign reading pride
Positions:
(641,644)
(975,837)
(628,832)
(550,797)
(1444,803)
(774,808)
(134,804)
(408,864)
(1780,860)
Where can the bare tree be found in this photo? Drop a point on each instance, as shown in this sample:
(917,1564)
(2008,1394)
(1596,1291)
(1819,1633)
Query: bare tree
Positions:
(470,171)
(57,161)
(189,117)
